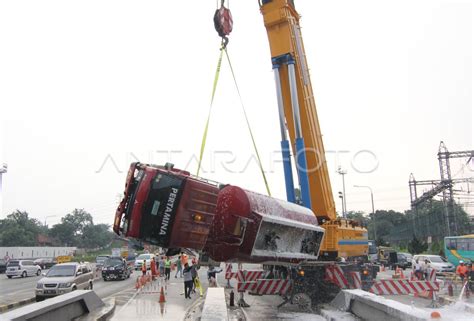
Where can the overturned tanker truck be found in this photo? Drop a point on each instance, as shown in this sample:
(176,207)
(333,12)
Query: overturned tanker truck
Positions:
(173,209)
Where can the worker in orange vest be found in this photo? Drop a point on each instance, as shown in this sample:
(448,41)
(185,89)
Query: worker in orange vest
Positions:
(184,259)
(144,267)
(154,272)
(462,270)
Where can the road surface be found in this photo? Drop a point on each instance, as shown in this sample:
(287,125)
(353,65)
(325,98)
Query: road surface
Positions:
(17,289)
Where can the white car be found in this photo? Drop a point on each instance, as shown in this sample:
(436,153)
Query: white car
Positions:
(433,261)
(142,257)
(22,268)
(63,278)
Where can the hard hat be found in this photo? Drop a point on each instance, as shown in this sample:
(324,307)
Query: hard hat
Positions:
(461,262)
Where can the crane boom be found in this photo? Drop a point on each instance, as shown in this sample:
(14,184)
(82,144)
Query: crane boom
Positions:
(298,117)
(282,23)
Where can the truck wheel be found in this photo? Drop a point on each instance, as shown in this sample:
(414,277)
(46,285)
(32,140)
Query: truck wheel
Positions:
(39,298)
(38,273)
(303,301)
(24,274)
(9,276)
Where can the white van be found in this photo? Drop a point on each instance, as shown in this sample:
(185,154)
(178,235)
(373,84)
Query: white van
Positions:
(64,278)
(22,268)
(142,257)
(433,261)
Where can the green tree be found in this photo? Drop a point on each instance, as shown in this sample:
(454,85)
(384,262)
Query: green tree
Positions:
(18,229)
(71,229)
(77,229)
(416,246)
(96,236)
(358,216)
(64,233)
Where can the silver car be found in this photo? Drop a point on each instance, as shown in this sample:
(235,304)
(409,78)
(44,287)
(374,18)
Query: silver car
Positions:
(64,278)
(22,268)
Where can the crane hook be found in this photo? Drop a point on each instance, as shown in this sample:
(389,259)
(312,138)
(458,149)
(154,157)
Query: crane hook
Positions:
(223,23)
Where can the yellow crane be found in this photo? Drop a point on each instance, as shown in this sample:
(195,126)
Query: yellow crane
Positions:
(299,120)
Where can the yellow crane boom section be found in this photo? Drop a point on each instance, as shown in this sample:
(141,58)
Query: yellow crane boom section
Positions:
(284,34)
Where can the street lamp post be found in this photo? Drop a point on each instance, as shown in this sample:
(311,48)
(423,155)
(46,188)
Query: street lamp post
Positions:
(344,203)
(373,208)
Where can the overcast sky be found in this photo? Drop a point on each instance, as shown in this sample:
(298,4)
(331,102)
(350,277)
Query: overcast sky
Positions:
(86,87)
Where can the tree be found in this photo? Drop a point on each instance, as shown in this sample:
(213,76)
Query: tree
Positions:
(416,246)
(79,219)
(96,236)
(71,229)
(358,217)
(65,233)
(18,229)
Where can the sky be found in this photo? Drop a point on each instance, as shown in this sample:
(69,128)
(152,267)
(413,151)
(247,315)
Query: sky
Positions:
(86,87)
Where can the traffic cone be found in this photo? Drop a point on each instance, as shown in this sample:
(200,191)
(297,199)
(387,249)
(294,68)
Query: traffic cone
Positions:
(162,295)
(137,284)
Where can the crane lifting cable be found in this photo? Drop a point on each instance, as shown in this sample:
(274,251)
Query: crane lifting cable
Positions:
(223,23)
(248,125)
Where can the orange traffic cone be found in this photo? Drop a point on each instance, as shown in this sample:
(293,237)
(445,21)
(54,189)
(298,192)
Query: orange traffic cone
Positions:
(137,284)
(162,295)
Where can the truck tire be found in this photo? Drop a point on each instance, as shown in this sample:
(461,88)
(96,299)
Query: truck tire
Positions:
(303,301)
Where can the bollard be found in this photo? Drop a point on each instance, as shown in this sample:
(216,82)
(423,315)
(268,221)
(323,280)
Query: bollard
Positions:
(450,289)
(231,299)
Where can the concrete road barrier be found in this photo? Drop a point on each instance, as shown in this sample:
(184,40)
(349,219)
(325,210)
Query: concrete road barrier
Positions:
(215,306)
(64,307)
(371,307)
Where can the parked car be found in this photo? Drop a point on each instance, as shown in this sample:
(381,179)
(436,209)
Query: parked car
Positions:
(63,278)
(409,258)
(434,261)
(402,261)
(99,260)
(116,268)
(139,260)
(3,266)
(45,263)
(22,268)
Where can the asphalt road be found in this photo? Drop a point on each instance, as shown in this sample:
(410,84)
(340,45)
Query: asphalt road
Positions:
(17,289)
